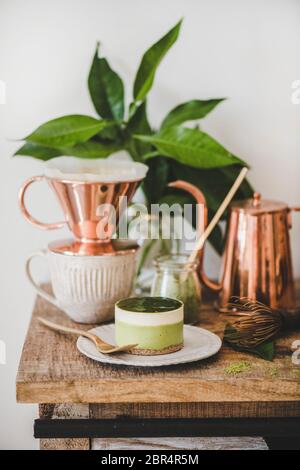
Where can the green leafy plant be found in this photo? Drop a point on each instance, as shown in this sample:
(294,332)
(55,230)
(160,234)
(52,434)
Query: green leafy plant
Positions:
(173,151)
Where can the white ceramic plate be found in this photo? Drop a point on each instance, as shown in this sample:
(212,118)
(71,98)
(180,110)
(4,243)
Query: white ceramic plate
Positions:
(198,344)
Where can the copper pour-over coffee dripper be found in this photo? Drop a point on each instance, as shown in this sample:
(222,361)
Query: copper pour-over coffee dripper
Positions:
(87,203)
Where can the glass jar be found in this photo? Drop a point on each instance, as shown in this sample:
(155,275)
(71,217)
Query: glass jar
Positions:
(177,278)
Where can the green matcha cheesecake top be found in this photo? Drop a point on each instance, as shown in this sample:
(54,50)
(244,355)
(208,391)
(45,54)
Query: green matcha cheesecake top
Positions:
(149,304)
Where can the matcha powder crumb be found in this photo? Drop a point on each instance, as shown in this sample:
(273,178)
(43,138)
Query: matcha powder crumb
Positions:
(237,368)
(296,373)
(273,371)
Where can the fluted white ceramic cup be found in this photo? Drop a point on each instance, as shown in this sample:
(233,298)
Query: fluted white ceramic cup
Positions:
(86,287)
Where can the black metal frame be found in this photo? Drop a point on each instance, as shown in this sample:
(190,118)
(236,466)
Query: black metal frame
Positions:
(274,430)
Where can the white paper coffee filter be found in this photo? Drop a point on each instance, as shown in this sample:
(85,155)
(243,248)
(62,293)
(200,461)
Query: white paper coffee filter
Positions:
(116,168)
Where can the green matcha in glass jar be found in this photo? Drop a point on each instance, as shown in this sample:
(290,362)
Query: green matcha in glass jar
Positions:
(177,278)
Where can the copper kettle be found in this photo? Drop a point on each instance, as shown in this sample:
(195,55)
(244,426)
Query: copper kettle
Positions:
(257,260)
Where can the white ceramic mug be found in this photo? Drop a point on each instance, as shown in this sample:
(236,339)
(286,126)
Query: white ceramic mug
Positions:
(86,287)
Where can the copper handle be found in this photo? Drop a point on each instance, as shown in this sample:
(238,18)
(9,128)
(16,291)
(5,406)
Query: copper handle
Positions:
(292,209)
(27,215)
(200,200)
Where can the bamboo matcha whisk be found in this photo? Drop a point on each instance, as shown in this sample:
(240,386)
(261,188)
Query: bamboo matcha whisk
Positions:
(258,323)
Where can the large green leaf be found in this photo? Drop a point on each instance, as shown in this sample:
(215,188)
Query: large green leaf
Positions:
(67,131)
(106,89)
(150,61)
(91,149)
(156,180)
(191,147)
(139,121)
(30,149)
(195,109)
(111,134)
(88,149)
(138,124)
(265,350)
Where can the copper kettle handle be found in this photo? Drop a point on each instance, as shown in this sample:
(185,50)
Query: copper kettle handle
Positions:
(200,199)
(292,209)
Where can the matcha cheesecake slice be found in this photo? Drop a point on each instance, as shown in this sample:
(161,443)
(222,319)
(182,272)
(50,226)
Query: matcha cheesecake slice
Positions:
(155,324)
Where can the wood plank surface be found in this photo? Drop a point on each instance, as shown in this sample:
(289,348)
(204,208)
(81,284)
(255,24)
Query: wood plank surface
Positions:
(53,371)
(183,443)
(238,409)
(64,411)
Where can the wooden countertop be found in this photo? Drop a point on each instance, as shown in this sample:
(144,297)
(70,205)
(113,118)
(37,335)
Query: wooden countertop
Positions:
(51,370)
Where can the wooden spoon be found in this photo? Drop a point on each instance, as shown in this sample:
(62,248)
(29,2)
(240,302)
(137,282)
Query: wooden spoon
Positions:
(101,345)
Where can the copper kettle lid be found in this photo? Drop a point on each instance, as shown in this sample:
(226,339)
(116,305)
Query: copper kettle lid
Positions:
(257,205)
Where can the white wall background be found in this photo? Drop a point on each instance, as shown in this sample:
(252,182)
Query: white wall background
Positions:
(248,51)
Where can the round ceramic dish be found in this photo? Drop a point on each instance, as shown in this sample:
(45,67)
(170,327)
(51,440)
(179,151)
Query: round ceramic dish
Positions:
(198,344)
